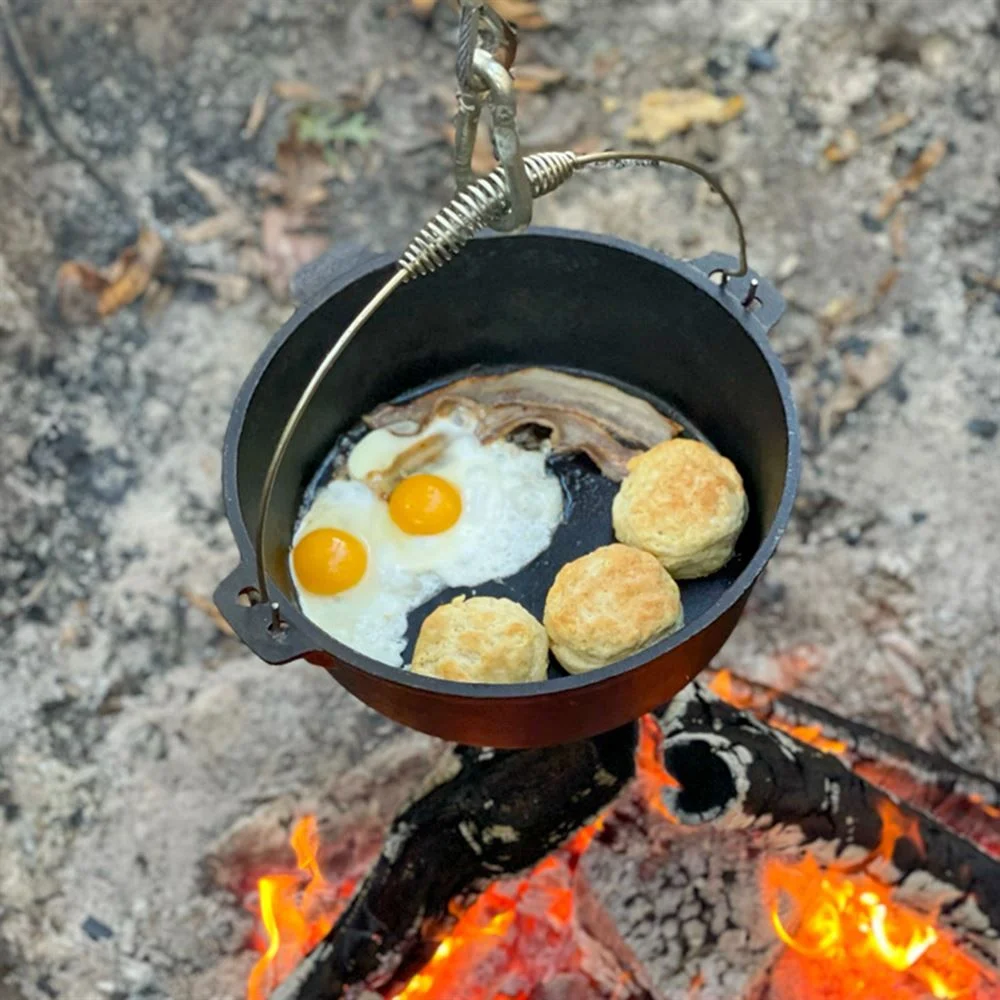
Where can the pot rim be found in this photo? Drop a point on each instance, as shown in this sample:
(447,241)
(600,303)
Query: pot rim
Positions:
(320,642)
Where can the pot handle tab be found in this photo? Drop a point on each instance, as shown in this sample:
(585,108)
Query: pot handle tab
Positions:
(752,293)
(253,620)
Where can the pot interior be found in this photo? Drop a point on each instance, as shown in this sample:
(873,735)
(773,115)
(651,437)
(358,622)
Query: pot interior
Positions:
(538,299)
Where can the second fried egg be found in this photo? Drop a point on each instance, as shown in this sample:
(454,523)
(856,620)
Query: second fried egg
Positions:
(468,514)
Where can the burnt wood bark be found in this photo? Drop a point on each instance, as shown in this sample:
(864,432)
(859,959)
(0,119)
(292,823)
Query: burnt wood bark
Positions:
(963,799)
(484,814)
(735,771)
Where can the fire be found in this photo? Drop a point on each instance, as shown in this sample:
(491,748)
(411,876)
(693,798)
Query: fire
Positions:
(517,933)
(850,924)
(296,909)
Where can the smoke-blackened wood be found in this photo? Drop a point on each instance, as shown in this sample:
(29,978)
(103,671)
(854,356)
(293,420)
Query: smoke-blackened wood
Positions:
(483,814)
(737,772)
(964,800)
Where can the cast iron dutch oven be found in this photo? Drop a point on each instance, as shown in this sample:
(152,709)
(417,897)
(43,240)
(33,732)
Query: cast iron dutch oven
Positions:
(592,304)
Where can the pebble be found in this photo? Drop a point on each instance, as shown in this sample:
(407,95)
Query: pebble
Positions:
(983,428)
(761,60)
(95,930)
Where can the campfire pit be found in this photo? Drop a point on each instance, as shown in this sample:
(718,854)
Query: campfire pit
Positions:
(750,845)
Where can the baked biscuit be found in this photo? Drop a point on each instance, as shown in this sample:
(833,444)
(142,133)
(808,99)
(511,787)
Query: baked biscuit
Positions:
(684,503)
(608,604)
(485,640)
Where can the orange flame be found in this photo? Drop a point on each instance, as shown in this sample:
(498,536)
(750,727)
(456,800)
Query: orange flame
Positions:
(297,910)
(850,923)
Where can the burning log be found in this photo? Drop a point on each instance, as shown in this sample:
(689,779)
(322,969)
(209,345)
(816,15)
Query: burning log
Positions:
(961,799)
(485,814)
(482,813)
(737,772)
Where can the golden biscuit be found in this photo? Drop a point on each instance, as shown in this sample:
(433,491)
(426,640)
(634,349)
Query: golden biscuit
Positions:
(685,504)
(608,604)
(485,640)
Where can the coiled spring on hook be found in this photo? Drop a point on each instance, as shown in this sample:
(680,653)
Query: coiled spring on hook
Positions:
(475,207)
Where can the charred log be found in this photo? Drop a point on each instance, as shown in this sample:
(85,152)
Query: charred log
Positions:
(485,814)
(962,799)
(482,814)
(737,772)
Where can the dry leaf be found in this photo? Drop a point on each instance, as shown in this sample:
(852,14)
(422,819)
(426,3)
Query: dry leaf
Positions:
(886,283)
(666,112)
(423,8)
(229,220)
(287,245)
(841,149)
(133,272)
(862,376)
(258,111)
(296,90)
(897,235)
(837,312)
(931,155)
(207,607)
(302,173)
(534,77)
(86,292)
(894,123)
(230,289)
(523,14)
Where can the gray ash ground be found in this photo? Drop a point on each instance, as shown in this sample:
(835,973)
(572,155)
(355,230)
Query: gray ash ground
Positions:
(138,744)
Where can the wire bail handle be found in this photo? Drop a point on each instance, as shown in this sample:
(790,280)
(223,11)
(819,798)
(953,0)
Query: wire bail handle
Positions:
(487,47)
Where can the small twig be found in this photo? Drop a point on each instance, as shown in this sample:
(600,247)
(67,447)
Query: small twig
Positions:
(22,66)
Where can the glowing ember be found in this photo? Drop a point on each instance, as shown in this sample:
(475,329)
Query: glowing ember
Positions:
(296,910)
(518,933)
(851,929)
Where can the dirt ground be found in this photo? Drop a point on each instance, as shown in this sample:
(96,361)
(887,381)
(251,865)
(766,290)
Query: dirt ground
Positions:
(137,741)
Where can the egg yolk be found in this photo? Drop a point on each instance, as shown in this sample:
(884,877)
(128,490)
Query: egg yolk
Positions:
(425,505)
(328,561)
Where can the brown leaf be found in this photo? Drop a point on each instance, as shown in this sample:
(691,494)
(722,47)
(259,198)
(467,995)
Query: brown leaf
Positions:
(841,149)
(523,14)
(862,376)
(229,220)
(423,8)
(141,262)
(230,289)
(296,90)
(258,111)
(534,77)
(302,173)
(287,245)
(85,292)
(206,606)
(666,112)
(887,282)
(894,123)
(931,155)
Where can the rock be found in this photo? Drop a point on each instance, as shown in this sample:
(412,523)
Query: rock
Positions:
(95,930)
(983,428)
(761,60)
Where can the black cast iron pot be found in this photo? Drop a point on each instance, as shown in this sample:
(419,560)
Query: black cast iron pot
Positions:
(660,327)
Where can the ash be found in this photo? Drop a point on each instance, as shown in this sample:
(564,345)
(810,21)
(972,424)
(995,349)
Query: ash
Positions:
(147,762)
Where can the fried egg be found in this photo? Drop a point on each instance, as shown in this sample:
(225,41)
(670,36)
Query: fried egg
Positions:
(470,513)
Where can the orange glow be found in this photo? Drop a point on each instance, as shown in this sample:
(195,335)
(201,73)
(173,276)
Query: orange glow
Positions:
(849,927)
(516,934)
(896,824)
(812,735)
(990,811)
(651,774)
(722,685)
(296,910)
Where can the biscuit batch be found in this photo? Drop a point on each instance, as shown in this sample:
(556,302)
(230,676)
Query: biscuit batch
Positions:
(677,515)
(445,492)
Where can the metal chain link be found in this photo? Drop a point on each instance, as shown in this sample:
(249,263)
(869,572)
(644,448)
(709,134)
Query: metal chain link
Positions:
(487,47)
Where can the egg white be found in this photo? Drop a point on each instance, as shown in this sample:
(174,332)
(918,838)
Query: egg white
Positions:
(511,506)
